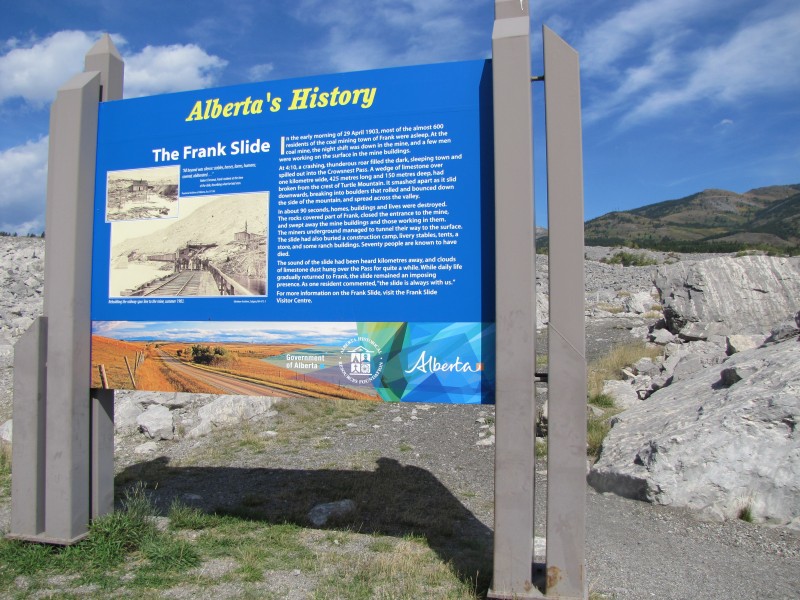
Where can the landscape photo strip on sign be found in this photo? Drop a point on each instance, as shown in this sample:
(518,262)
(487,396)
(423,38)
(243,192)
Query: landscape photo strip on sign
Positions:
(330,236)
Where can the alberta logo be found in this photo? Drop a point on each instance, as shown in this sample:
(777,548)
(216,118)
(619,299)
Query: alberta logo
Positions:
(432,364)
(360,360)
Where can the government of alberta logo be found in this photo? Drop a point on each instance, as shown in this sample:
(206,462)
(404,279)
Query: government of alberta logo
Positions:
(360,360)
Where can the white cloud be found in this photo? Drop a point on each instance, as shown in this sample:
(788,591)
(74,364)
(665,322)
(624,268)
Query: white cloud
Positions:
(758,59)
(608,42)
(34,71)
(636,80)
(260,72)
(23,171)
(160,69)
(658,56)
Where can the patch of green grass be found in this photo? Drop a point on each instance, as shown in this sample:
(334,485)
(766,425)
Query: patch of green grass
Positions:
(22,558)
(100,559)
(167,554)
(410,570)
(541,448)
(405,447)
(5,470)
(602,401)
(187,517)
(746,513)
(596,430)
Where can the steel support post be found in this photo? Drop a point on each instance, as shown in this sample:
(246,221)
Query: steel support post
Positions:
(105,59)
(27,448)
(102,452)
(566,453)
(68,262)
(63,453)
(515,302)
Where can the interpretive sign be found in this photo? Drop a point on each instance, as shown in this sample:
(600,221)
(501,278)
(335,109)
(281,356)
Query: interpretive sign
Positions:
(329,236)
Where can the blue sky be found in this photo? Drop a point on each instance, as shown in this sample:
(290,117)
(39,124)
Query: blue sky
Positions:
(678,95)
(328,334)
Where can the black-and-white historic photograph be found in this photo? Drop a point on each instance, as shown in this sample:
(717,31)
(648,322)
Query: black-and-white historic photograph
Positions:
(137,194)
(217,247)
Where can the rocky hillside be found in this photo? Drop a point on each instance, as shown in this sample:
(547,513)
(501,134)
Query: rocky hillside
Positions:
(709,220)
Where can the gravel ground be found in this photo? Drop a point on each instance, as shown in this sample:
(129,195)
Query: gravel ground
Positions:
(634,550)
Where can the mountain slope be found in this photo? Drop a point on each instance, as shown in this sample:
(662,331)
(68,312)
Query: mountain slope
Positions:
(768,216)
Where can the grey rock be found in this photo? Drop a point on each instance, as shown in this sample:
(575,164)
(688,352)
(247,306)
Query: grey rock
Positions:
(322,513)
(6,431)
(785,330)
(662,336)
(646,366)
(225,411)
(639,302)
(740,343)
(146,448)
(174,400)
(594,411)
(693,357)
(6,354)
(156,423)
(724,295)
(126,411)
(713,446)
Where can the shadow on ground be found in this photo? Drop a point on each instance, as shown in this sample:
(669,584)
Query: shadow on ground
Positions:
(394,500)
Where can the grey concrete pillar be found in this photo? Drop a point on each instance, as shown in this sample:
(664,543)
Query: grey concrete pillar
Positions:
(515,301)
(566,425)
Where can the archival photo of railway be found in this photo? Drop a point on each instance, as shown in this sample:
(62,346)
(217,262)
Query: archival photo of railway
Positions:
(137,194)
(216,247)
(273,359)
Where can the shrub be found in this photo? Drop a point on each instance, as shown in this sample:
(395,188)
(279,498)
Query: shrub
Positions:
(630,259)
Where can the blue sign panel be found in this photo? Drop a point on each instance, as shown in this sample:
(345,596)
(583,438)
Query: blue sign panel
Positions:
(325,236)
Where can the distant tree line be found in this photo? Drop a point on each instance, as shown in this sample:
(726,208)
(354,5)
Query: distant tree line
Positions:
(14,234)
(692,246)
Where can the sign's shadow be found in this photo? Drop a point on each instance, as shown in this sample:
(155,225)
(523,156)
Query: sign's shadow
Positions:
(394,499)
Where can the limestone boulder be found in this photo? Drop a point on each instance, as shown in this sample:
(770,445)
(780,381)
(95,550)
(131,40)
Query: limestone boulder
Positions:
(739,343)
(6,432)
(623,393)
(156,423)
(225,411)
(727,296)
(717,441)
(639,302)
